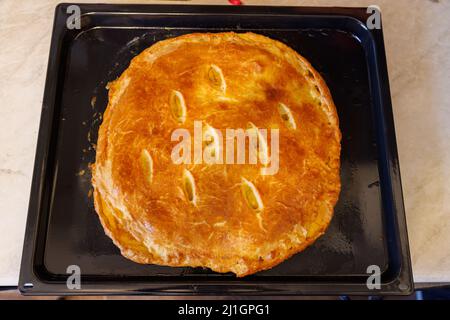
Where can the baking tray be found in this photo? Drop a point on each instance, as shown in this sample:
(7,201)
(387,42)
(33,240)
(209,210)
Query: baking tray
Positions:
(368,227)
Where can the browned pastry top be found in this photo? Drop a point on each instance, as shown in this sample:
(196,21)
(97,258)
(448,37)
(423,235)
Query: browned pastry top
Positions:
(227,217)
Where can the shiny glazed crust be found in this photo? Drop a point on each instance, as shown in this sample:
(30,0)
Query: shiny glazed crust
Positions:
(226,80)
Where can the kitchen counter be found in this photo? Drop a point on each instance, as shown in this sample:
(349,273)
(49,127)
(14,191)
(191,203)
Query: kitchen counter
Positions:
(417,37)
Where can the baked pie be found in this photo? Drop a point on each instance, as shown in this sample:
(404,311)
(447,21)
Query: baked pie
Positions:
(229,217)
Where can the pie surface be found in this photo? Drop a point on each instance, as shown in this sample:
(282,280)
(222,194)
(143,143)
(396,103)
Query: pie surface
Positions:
(226,217)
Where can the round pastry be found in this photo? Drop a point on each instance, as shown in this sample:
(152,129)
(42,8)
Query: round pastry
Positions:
(162,201)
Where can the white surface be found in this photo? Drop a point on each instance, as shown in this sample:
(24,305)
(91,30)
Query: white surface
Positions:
(417,36)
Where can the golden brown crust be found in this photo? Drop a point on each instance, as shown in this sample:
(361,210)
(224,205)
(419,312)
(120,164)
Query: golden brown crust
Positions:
(150,218)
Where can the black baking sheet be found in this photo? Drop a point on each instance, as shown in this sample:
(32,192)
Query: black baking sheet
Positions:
(368,226)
